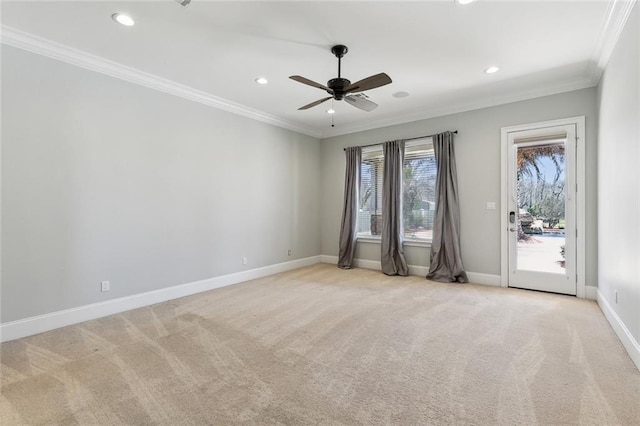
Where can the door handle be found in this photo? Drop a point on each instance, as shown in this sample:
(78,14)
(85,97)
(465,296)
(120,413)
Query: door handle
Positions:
(513,229)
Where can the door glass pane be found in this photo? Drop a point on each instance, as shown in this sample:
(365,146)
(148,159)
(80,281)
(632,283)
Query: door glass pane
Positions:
(541,207)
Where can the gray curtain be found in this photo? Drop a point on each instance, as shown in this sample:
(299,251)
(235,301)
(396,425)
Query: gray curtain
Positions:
(349,226)
(392,256)
(446,262)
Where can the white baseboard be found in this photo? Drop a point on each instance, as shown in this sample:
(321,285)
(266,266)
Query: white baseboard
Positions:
(484,279)
(621,330)
(41,323)
(325,258)
(368,264)
(420,271)
(591,292)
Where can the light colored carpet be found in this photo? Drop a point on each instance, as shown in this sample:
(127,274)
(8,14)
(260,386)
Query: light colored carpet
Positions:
(323,346)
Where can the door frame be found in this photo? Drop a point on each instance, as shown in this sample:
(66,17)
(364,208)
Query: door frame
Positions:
(580,206)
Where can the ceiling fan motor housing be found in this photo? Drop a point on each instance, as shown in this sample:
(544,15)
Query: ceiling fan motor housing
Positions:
(339,50)
(337,86)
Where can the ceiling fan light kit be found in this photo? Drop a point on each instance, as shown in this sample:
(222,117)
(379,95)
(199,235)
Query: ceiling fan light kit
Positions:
(341,88)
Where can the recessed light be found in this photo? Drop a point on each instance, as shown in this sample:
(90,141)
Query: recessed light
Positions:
(122,19)
(400,94)
(492,70)
(261,80)
(464,1)
(331,111)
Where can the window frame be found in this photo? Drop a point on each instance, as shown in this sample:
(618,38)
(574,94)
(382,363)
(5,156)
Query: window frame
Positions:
(376,239)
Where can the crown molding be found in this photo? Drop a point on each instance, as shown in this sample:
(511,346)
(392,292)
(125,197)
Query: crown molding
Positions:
(41,46)
(480,102)
(618,12)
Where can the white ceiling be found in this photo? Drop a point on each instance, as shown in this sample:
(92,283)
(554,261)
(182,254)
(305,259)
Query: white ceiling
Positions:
(435,50)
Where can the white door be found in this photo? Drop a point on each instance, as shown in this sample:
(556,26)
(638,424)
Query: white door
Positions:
(541,210)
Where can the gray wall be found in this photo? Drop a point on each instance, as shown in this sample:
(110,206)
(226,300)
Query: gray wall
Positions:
(619,178)
(478,162)
(106,180)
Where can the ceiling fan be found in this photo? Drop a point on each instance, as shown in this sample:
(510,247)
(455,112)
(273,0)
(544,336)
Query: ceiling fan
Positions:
(340,88)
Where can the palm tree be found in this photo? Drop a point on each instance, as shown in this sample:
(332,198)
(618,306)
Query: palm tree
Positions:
(527,163)
(527,159)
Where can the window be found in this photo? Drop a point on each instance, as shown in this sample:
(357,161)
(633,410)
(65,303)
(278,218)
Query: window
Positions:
(419,191)
(418,198)
(370,214)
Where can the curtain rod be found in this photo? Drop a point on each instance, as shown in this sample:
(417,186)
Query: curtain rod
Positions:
(410,139)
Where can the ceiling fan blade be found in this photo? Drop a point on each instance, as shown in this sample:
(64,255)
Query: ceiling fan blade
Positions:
(360,102)
(318,102)
(308,82)
(368,83)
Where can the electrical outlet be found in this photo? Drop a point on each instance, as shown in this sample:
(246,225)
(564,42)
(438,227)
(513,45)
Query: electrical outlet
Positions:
(244,260)
(289,252)
(105,286)
(615,293)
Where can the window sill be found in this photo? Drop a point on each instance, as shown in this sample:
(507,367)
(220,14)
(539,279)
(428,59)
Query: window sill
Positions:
(407,243)
(416,243)
(369,240)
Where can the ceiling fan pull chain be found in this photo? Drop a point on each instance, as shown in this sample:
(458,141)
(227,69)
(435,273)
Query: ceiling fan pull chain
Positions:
(333,114)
